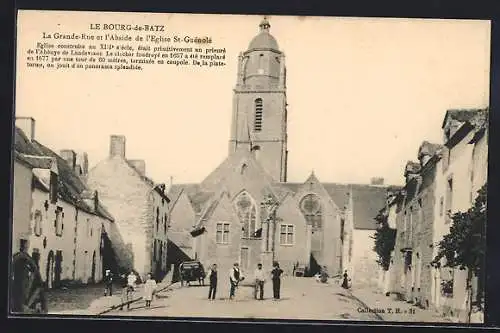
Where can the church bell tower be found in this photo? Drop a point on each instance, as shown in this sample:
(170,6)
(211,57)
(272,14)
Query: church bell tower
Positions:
(259,121)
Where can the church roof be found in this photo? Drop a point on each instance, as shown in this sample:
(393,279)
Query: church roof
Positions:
(229,165)
(367,200)
(264,40)
(197,197)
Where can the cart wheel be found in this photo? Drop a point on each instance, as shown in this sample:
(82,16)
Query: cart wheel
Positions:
(27,290)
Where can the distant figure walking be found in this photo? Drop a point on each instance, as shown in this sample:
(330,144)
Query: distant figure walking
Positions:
(212,290)
(259,282)
(235,277)
(276,278)
(108,281)
(128,290)
(345,281)
(149,290)
(324,275)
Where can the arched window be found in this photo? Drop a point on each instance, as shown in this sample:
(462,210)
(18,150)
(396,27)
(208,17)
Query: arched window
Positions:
(311,208)
(257,126)
(261,64)
(256,152)
(247,213)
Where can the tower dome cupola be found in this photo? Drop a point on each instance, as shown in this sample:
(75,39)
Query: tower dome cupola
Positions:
(264,40)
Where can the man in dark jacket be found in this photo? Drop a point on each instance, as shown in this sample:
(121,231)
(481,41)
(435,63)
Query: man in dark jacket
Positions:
(213,282)
(276,278)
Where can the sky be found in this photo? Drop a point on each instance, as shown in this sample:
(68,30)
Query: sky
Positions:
(363,93)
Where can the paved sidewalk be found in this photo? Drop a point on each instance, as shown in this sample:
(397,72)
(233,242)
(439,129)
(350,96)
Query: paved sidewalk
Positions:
(390,309)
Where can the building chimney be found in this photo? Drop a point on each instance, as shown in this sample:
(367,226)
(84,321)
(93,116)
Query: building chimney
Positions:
(139,165)
(117,146)
(377,181)
(70,157)
(82,164)
(27,125)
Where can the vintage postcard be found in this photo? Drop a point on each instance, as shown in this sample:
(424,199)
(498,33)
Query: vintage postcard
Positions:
(250,167)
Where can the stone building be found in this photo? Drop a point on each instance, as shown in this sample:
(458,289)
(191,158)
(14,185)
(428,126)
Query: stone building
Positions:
(22,198)
(246,211)
(414,241)
(444,181)
(465,171)
(67,222)
(140,208)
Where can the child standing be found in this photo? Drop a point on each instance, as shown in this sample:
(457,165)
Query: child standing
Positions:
(149,290)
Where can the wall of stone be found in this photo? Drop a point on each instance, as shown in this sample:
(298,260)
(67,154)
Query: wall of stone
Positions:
(364,260)
(224,255)
(288,255)
(125,195)
(22,203)
(77,252)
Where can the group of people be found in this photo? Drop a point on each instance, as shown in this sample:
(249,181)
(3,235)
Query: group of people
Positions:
(129,285)
(323,276)
(236,276)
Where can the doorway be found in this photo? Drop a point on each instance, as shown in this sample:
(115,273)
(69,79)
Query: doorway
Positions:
(58,268)
(92,277)
(244,258)
(49,276)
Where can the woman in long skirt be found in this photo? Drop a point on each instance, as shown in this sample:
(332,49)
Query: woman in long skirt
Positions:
(149,289)
(345,281)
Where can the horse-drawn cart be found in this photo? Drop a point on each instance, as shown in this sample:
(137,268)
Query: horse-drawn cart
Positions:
(27,290)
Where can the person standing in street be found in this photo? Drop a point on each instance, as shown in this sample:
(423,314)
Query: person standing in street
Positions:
(259,282)
(108,281)
(345,281)
(213,282)
(276,278)
(324,275)
(235,277)
(128,291)
(124,285)
(149,290)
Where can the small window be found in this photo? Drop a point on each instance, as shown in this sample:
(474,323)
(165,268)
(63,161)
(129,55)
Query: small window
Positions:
(53,188)
(157,219)
(23,245)
(59,223)
(441,206)
(37,228)
(88,227)
(222,233)
(286,234)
